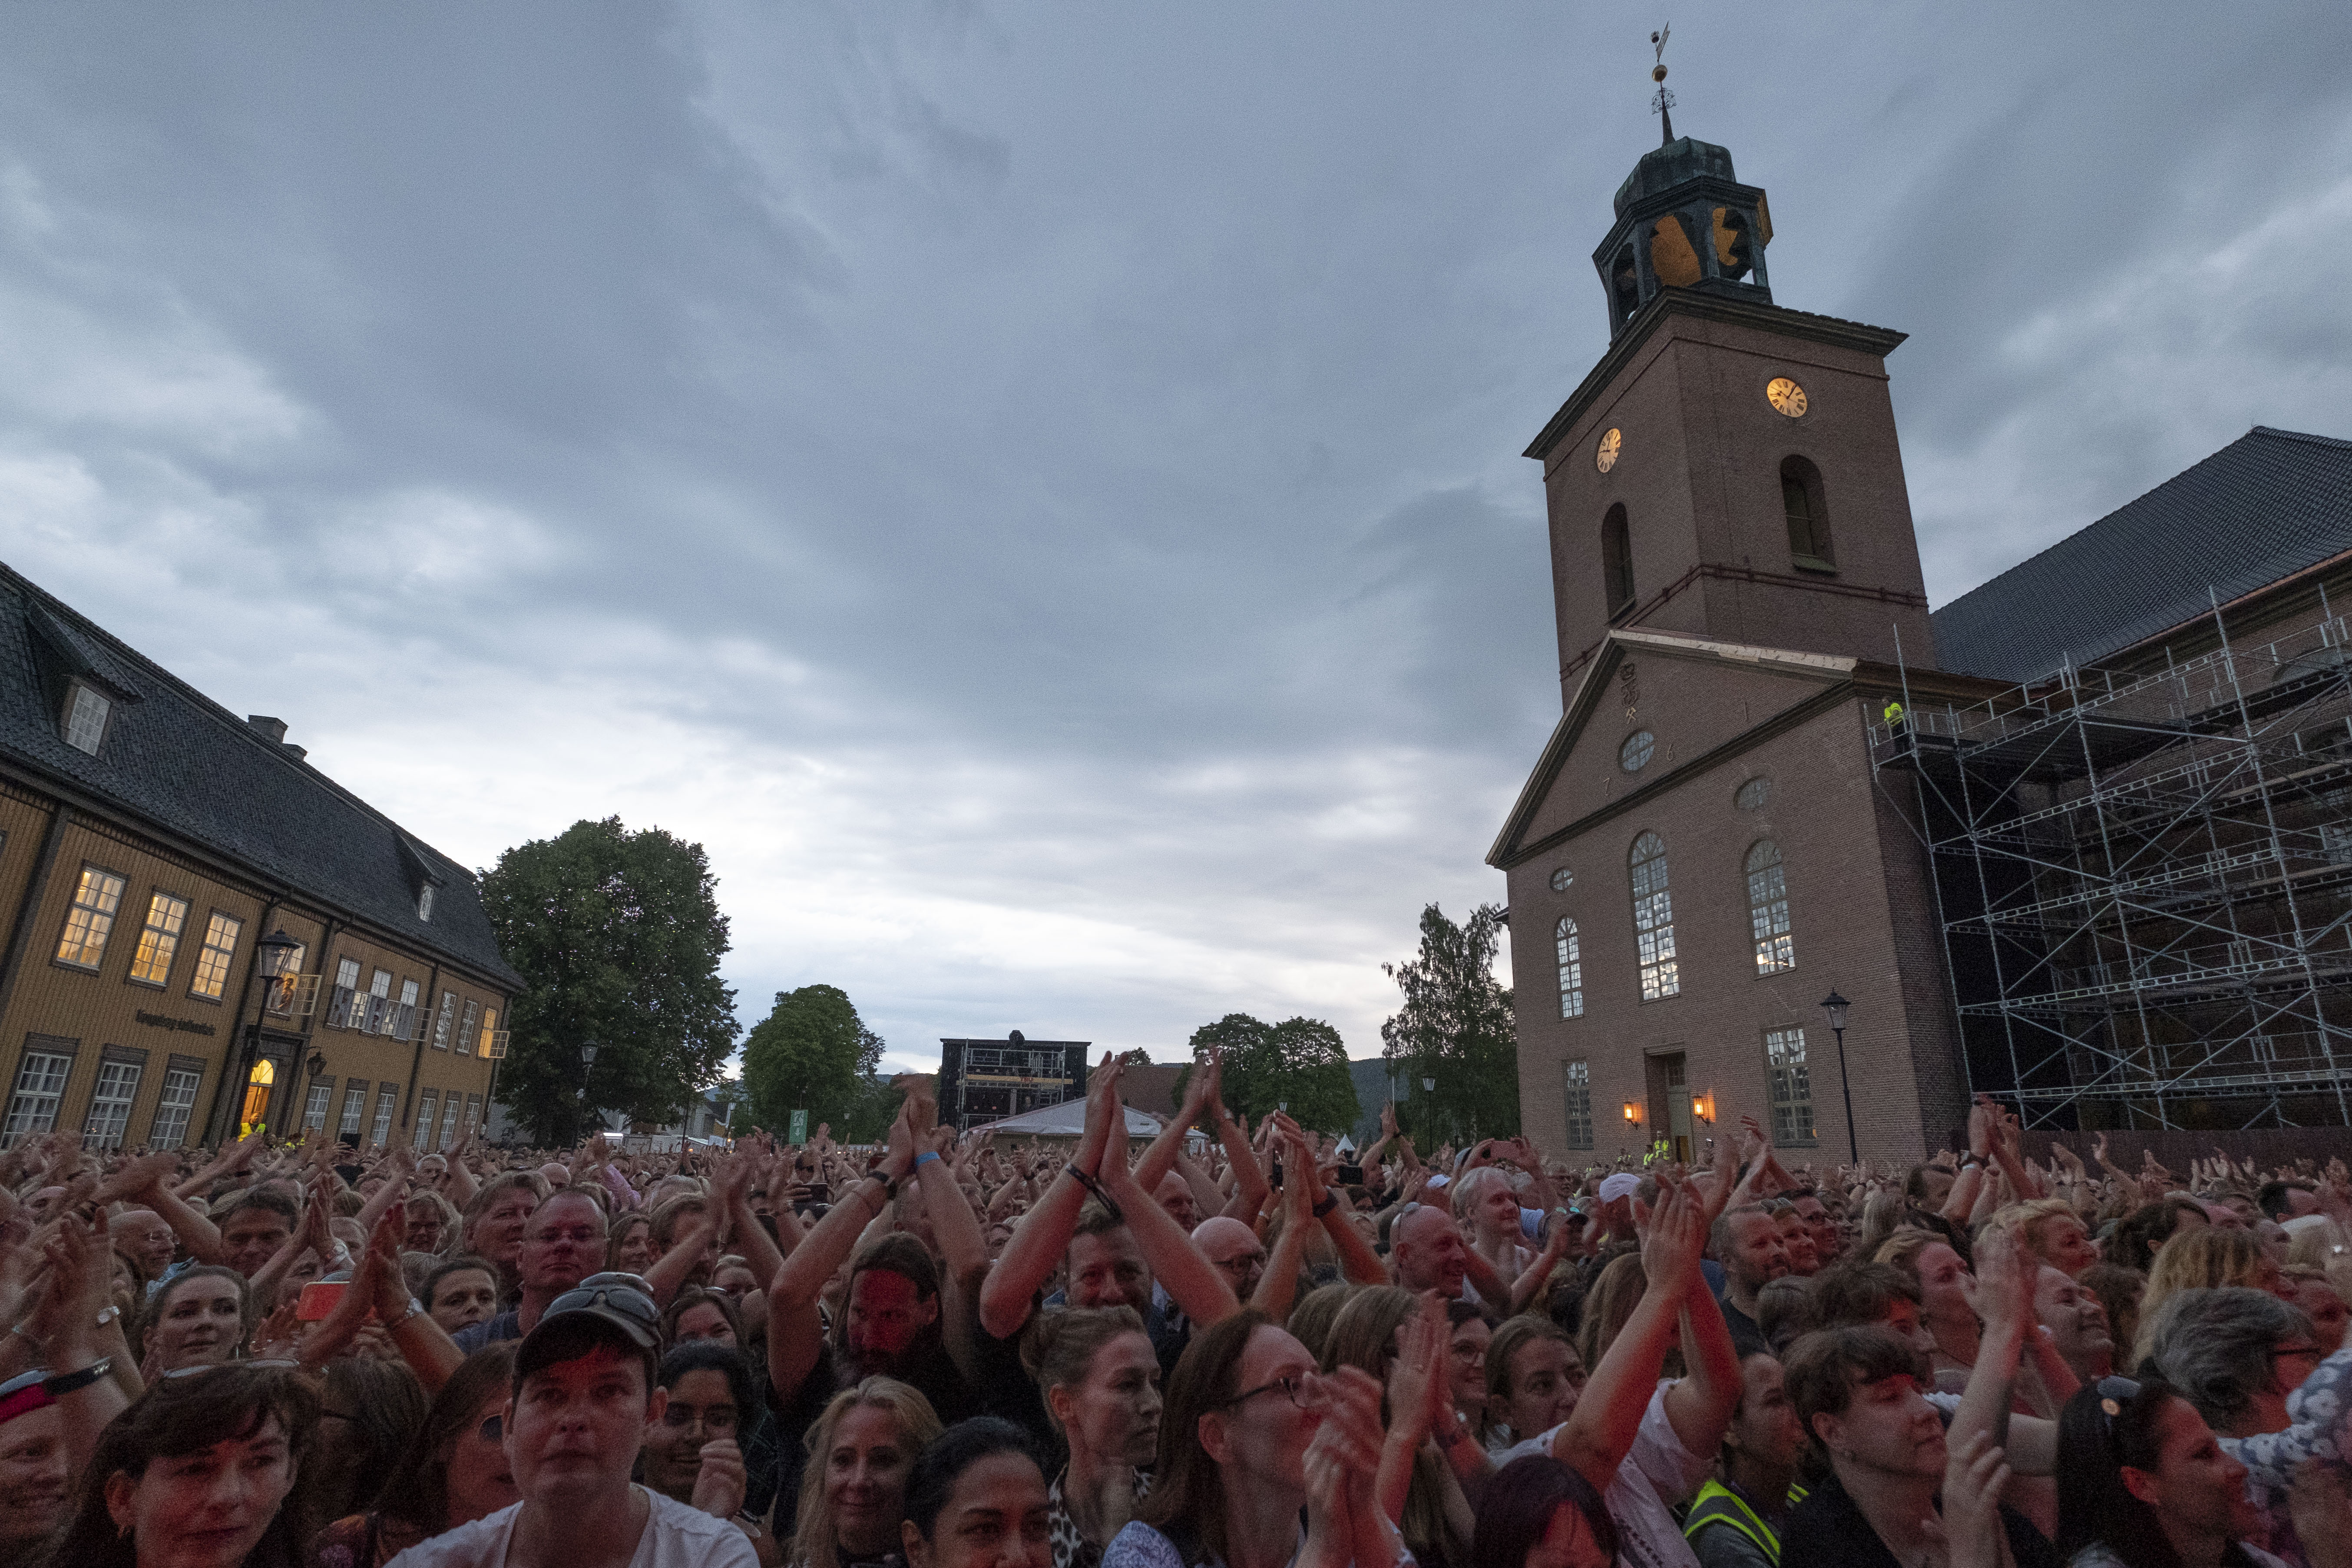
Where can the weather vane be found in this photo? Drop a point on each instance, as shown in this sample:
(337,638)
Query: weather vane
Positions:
(1662,102)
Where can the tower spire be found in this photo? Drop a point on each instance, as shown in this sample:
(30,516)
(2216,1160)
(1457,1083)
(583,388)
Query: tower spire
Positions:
(1663,101)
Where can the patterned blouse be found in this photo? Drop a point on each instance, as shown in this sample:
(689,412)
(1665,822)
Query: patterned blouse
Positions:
(1071,1548)
(2321,1415)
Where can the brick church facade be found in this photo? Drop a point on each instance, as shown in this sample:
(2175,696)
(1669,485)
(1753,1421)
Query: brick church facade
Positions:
(1728,824)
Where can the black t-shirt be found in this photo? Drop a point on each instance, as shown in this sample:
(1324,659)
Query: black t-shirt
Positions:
(1002,1388)
(1828,1529)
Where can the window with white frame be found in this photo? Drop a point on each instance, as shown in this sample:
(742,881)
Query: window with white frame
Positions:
(473,1112)
(470,1028)
(284,991)
(159,939)
(354,1108)
(1791,1085)
(386,1102)
(490,1028)
(90,917)
(404,1022)
(173,1106)
(219,955)
(315,1106)
(1579,1079)
(427,1108)
(109,1105)
(1572,970)
(424,902)
(444,1019)
(345,1003)
(87,709)
(40,1084)
(449,1108)
(1654,920)
(377,1020)
(1767,909)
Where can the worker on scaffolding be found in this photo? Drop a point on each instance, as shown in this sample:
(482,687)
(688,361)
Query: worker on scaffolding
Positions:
(1897,729)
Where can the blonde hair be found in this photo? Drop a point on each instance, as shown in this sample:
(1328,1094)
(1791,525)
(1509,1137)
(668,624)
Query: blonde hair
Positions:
(814,1543)
(2201,1257)
(2030,1222)
(1059,1348)
(1464,1190)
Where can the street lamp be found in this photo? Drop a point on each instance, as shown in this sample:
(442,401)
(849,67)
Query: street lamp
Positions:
(1835,1006)
(587,1065)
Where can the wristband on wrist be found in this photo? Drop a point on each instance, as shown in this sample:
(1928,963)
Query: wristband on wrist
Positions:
(1330,1201)
(926,1154)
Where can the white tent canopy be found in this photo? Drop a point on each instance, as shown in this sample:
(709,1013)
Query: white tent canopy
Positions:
(1068,1120)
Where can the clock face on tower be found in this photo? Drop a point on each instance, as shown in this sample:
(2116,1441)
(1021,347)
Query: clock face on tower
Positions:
(1605,457)
(1785,396)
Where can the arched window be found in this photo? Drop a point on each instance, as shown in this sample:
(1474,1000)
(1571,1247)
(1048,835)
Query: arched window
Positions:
(1809,520)
(1654,919)
(1571,971)
(1617,561)
(1767,909)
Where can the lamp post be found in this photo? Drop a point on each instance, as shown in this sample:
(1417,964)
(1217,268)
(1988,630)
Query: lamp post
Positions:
(1429,1087)
(272,955)
(1835,1006)
(587,1065)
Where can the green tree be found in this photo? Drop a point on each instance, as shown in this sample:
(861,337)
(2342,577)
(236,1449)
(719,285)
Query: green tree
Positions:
(812,1052)
(1456,1027)
(617,936)
(1300,1062)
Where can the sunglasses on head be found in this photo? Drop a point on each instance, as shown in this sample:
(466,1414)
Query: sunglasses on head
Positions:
(622,1293)
(278,1362)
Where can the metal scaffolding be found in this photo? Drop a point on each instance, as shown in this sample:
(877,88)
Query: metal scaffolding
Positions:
(2144,882)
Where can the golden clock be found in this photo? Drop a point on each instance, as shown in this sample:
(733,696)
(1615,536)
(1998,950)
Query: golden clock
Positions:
(1785,396)
(1605,458)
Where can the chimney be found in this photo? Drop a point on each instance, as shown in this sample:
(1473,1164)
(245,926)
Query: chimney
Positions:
(270,729)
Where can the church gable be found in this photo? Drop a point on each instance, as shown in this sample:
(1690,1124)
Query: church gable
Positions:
(1650,709)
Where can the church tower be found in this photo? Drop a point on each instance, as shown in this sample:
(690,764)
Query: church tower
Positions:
(1730,469)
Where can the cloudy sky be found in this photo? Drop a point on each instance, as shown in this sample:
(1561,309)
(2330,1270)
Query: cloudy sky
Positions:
(1035,489)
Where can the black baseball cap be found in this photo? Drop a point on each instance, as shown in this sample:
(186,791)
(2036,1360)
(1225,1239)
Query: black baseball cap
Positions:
(611,1309)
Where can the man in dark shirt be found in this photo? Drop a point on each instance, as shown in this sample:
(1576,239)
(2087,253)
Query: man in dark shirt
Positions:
(1746,1242)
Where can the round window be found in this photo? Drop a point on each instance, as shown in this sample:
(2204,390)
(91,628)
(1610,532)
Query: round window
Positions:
(1753,795)
(1635,754)
(1562,880)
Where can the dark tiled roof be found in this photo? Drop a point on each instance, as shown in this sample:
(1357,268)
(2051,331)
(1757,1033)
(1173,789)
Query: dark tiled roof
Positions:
(2264,507)
(191,768)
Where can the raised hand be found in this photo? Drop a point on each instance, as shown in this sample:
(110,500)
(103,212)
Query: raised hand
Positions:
(1102,1110)
(1975,1472)
(720,1485)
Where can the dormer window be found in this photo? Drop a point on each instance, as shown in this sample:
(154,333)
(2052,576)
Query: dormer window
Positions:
(424,902)
(87,710)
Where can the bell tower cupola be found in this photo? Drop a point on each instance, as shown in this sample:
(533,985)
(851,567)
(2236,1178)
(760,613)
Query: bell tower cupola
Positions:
(1684,221)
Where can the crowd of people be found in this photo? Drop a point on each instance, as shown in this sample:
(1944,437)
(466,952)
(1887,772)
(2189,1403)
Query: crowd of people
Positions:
(1234,1348)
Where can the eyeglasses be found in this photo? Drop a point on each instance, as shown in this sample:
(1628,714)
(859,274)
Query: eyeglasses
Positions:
(624,1293)
(1292,1389)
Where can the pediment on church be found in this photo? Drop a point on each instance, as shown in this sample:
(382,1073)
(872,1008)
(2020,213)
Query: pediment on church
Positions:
(1652,708)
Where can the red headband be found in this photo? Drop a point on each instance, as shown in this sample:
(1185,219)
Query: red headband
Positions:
(24,1400)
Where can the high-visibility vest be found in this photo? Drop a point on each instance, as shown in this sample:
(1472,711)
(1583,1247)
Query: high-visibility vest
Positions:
(1718,1504)
(1894,713)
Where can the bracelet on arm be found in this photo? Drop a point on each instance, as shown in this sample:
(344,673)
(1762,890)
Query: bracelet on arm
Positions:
(67,1382)
(1117,1214)
(1330,1201)
(926,1154)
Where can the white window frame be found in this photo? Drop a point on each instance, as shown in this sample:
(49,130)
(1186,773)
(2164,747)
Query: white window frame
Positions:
(34,1098)
(424,902)
(451,1104)
(443,1020)
(403,1018)
(428,1110)
(387,1101)
(87,710)
(473,1112)
(110,1098)
(1789,1087)
(1571,969)
(1768,909)
(222,932)
(315,1106)
(1654,920)
(354,1112)
(378,1020)
(159,940)
(1576,1079)
(173,1106)
(346,994)
(468,1029)
(89,919)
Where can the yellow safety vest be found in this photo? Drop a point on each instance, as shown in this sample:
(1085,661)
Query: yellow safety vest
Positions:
(1894,713)
(1718,1504)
